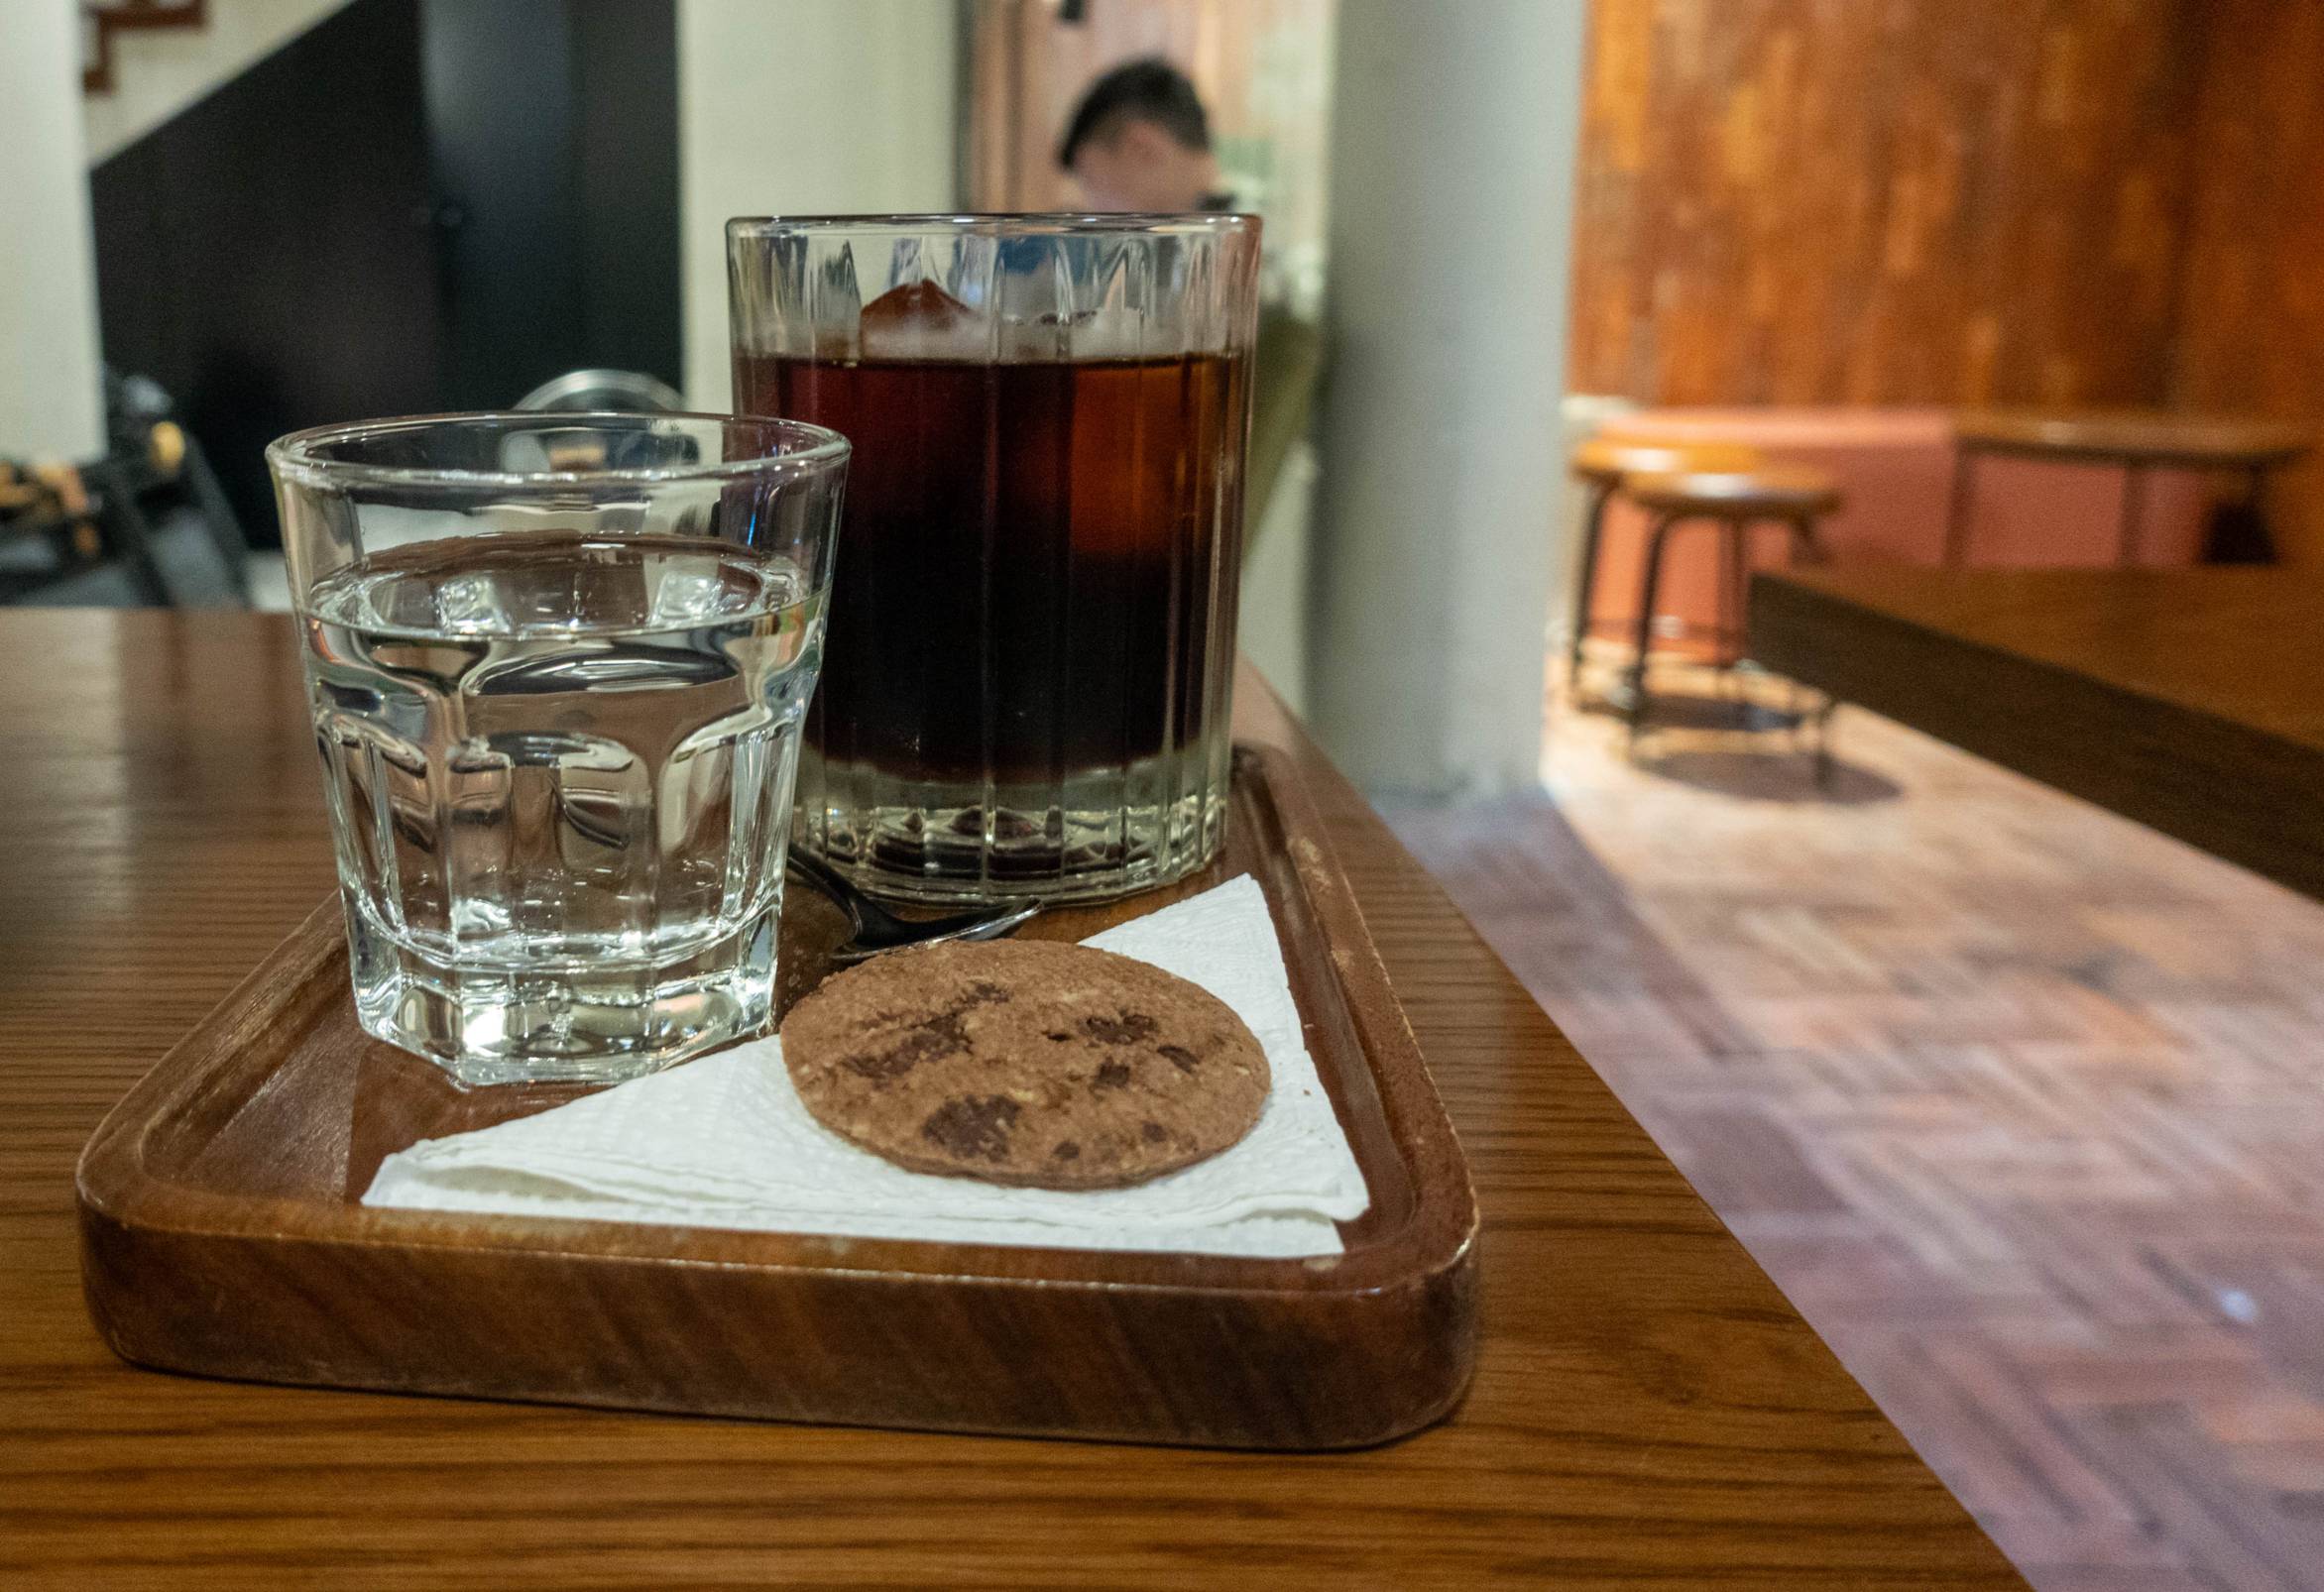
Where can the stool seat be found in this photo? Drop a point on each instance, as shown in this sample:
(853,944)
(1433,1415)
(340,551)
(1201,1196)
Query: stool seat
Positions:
(1603,461)
(1775,491)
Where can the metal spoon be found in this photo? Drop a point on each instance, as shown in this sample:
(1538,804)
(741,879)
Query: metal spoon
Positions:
(875,929)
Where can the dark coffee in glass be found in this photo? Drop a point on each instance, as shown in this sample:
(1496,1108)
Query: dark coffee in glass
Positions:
(1026,683)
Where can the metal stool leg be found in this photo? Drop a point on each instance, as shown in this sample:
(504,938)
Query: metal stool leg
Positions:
(1644,638)
(2126,551)
(1585,582)
(1956,514)
(132,537)
(1734,573)
(1822,754)
(1806,549)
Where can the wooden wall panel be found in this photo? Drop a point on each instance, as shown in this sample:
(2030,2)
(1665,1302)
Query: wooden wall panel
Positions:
(2252,313)
(1882,201)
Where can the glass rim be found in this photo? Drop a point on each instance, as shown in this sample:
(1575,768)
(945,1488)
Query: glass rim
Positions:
(1014,223)
(296,456)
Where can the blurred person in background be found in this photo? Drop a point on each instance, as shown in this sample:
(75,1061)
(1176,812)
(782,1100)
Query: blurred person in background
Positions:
(1140,140)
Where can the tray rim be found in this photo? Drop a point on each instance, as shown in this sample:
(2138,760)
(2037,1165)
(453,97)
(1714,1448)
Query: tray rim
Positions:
(115,1185)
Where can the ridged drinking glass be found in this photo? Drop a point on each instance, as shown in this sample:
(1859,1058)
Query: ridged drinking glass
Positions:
(1032,631)
(557,665)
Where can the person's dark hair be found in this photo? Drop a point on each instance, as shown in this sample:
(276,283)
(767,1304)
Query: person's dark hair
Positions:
(1148,90)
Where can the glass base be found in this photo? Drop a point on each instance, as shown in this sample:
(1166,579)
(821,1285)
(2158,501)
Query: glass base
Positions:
(601,1020)
(961,857)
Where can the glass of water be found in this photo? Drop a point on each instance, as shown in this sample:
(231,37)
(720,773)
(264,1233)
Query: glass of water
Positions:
(557,665)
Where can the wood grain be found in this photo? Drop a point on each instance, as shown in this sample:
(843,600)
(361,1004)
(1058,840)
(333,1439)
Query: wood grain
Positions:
(221,1235)
(1648,1410)
(2188,700)
(2251,332)
(1826,202)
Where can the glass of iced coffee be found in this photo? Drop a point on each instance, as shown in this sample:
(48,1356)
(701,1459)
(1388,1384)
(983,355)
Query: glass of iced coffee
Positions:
(1026,685)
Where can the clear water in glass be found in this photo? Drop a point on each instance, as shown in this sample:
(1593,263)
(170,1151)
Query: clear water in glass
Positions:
(560,768)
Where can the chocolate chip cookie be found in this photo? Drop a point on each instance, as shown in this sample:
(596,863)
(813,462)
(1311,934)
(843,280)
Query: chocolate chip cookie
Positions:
(1026,1062)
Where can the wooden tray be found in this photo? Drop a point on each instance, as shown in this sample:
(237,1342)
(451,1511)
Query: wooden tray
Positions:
(221,1234)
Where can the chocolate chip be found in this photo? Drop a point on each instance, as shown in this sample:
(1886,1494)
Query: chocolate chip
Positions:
(1154,1132)
(931,1037)
(972,1125)
(1111,1075)
(1179,1055)
(1127,1029)
(925,1042)
(1068,1151)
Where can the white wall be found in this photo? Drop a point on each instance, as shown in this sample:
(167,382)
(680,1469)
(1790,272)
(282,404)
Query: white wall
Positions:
(801,108)
(159,73)
(1453,158)
(52,403)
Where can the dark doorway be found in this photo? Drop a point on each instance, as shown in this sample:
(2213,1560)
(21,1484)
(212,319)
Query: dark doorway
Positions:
(415,206)
(552,142)
(264,255)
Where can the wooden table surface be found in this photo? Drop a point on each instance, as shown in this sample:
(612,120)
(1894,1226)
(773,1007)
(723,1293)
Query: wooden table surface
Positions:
(1649,1411)
(2191,700)
(2135,437)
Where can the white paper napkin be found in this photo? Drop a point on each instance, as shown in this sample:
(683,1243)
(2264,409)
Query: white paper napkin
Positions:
(724,1142)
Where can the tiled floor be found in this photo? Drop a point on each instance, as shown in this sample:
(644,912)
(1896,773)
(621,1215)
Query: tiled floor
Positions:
(2023,1104)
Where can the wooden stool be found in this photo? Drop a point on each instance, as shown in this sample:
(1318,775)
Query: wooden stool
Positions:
(1736,502)
(1602,463)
